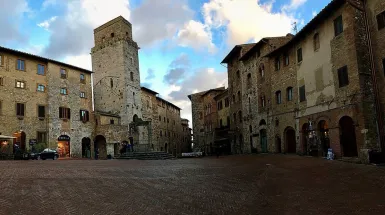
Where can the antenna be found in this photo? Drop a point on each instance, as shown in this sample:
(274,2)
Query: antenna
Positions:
(295,27)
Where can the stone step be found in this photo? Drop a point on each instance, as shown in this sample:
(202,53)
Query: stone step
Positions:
(146,156)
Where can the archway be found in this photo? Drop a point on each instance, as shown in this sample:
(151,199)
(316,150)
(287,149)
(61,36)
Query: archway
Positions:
(291,146)
(278,144)
(304,138)
(323,130)
(263,140)
(262,122)
(100,146)
(86,147)
(64,146)
(348,137)
(20,141)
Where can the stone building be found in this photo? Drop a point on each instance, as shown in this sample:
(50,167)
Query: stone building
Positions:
(49,102)
(45,101)
(185,143)
(222,137)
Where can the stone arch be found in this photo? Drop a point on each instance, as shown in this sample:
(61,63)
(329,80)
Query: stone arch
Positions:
(323,134)
(262,122)
(290,140)
(86,147)
(100,147)
(348,137)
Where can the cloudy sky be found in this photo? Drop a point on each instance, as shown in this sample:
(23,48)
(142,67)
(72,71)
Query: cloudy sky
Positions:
(182,41)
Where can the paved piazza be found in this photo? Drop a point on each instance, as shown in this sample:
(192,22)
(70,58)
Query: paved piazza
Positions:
(263,184)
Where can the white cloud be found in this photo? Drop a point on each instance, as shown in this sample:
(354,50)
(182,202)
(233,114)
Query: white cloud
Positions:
(314,13)
(82,61)
(12,13)
(45,24)
(253,23)
(294,4)
(48,3)
(196,35)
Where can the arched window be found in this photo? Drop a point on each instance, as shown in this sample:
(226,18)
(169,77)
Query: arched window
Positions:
(111,83)
(240,116)
(263,101)
(132,76)
(316,41)
(278,97)
(239,96)
(249,80)
(262,70)
(289,93)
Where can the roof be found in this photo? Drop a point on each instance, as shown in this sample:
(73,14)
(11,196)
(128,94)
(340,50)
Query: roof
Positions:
(211,90)
(169,103)
(236,49)
(324,14)
(220,95)
(20,53)
(259,44)
(111,22)
(149,90)
(200,93)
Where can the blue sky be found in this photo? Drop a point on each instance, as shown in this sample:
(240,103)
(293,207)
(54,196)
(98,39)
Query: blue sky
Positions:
(182,41)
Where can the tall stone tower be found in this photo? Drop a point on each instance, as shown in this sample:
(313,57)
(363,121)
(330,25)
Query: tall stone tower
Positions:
(116,77)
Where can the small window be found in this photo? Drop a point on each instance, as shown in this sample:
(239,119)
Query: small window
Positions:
(161,133)
(103,39)
(84,116)
(41,111)
(343,77)
(263,101)
(20,109)
(112,121)
(132,76)
(20,84)
(63,73)
(64,113)
(82,94)
(302,94)
(286,59)
(278,97)
(262,70)
(235,117)
(299,55)
(63,91)
(239,96)
(227,103)
(238,75)
(111,83)
(316,42)
(277,64)
(112,34)
(164,119)
(40,69)
(240,116)
(1,60)
(82,78)
(133,96)
(41,137)
(233,99)
(381,20)
(160,118)
(338,26)
(20,65)
(1,81)
(249,80)
(40,88)
(289,92)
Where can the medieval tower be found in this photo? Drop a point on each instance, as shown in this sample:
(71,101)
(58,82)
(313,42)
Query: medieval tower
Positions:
(116,77)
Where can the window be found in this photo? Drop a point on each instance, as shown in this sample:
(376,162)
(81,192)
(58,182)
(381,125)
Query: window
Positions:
(82,78)
(20,109)
(63,91)
(112,121)
(220,105)
(343,77)
(160,133)
(338,26)
(132,76)
(40,69)
(112,35)
(40,88)
(299,55)
(277,64)
(133,96)
(258,53)
(64,113)
(168,120)
(82,94)
(289,92)
(41,111)
(41,137)
(228,121)
(111,83)
(240,116)
(233,98)
(286,59)
(278,97)
(239,96)
(84,116)
(262,70)
(1,60)
(316,42)
(164,119)
(20,84)
(20,65)
(235,117)
(160,118)
(302,94)
(263,101)
(1,81)
(63,73)
(227,103)
(238,74)
(249,80)
(381,20)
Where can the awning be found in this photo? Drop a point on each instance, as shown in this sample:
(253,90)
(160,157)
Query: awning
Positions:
(6,137)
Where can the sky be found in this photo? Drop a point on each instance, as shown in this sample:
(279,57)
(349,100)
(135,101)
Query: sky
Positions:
(182,41)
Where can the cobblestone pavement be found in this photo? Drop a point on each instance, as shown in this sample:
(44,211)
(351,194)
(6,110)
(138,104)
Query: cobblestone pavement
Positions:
(263,184)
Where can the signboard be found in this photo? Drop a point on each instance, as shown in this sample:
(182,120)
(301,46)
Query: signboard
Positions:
(32,141)
(63,138)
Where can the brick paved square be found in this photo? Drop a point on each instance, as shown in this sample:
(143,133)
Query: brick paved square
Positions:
(264,184)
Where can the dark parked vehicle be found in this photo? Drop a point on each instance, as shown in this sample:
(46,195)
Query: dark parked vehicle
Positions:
(48,154)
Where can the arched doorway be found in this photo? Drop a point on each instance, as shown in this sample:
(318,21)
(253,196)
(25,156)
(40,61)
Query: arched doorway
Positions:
(86,147)
(348,137)
(263,140)
(278,144)
(20,141)
(323,130)
(304,138)
(64,146)
(100,147)
(291,146)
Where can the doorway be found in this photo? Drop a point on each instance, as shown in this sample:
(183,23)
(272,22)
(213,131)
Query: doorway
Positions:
(263,140)
(100,146)
(278,148)
(348,137)
(86,147)
(291,146)
(64,146)
(20,141)
(323,130)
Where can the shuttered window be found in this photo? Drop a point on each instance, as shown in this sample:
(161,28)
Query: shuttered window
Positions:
(64,113)
(84,116)
(302,93)
(20,109)
(343,77)
(338,26)
(41,111)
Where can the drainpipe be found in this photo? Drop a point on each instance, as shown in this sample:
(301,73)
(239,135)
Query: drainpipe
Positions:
(380,123)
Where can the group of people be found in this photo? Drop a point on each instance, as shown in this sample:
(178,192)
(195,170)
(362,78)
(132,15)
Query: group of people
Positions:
(127,147)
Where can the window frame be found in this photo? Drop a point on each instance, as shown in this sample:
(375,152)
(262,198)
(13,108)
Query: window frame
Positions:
(286,59)
(289,93)
(38,87)
(380,18)
(316,42)
(278,97)
(343,76)
(19,114)
(82,78)
(63,75)
(338,26)
(64,113)
(38,69)
(2,60)
(41,134)
(302,93)
(1,81)
(277,63)
(86,117)
(22,83)
(38,111)
(62,90)
(83,95)
(17,65)
(299,55)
